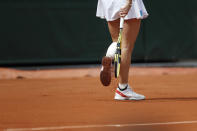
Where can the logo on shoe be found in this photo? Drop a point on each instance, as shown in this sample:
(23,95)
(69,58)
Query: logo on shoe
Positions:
(123,95)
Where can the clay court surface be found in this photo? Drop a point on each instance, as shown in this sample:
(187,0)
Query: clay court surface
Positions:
(74,100)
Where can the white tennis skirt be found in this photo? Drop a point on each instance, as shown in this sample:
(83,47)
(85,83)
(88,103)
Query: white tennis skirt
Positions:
(109,9)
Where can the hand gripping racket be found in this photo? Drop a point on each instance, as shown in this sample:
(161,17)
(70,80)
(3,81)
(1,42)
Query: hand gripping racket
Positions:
(117,59)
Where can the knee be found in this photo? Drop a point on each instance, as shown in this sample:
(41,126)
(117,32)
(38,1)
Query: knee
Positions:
(126,51)
(128,48)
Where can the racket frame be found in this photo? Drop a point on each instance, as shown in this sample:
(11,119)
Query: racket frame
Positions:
(117,59)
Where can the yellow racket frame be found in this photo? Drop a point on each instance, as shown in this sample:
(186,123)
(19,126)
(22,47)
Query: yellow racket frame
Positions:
(117,59)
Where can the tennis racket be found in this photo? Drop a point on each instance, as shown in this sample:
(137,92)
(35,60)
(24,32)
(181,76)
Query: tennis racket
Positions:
(117,59)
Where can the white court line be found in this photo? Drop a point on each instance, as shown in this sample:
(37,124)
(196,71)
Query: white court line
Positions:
(99,126)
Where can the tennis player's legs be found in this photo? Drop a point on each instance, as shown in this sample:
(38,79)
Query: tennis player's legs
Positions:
(130,32)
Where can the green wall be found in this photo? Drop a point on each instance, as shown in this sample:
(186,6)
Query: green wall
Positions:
(67,31)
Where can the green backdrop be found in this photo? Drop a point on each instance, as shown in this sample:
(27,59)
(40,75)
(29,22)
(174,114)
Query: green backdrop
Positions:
(67,31)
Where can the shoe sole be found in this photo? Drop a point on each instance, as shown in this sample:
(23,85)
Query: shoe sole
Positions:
(133,99)
(105,74)
(117,97)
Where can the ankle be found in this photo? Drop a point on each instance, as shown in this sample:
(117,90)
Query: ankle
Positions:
(123,87)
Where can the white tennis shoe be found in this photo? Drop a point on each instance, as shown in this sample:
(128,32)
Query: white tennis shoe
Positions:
(127,94)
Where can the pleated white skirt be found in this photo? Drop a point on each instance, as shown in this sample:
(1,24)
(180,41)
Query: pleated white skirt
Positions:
(109,9)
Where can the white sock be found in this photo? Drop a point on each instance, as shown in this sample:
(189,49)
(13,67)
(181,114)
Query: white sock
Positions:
(111,50)
(123,86)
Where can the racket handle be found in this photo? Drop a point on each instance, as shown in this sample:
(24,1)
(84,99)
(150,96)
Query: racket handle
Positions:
(121,22)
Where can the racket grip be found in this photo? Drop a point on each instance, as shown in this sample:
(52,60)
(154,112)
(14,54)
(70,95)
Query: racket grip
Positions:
(121,22)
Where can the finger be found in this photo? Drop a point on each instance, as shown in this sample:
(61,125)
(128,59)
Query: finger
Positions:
(123,10)
(122,14)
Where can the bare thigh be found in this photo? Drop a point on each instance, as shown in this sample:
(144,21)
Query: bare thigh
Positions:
(130,32)
(114,29)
